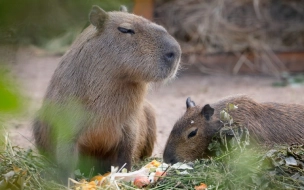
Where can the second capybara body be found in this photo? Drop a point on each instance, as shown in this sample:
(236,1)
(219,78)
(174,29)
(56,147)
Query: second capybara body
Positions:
(268,123)
(94,112)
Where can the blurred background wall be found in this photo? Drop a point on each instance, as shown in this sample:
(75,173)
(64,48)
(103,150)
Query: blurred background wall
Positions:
(232,36)
(217,36)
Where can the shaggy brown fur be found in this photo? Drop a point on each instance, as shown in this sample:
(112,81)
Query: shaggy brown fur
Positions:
(268,123)
(101,82)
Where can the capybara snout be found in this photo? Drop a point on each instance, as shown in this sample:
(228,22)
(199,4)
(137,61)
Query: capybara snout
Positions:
(170,57)
(172,52)
(268,123)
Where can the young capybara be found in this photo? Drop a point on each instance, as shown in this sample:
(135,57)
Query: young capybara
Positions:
(268,123)
(94,112)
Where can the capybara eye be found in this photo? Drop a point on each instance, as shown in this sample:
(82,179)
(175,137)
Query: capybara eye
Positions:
(192,134)
(125,30)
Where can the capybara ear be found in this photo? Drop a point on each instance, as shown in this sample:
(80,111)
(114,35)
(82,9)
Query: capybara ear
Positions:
(207,111)
(123,9)
(98,16)
(190,103)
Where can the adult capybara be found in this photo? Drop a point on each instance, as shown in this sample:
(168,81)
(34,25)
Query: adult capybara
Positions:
(94,112)
(269,123)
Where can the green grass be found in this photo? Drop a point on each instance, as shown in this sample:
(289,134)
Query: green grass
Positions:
(23,169)
(252,168)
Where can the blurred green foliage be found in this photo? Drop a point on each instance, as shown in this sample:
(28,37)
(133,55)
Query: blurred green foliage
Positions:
(38,21)
(10,98)
(64,118)
(11,101)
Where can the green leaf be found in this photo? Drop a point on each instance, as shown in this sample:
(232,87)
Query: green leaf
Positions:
(10,100)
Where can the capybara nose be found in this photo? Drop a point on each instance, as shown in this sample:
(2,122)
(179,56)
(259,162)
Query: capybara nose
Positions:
(171,52)
(170,58)
(169,159)
(173,161)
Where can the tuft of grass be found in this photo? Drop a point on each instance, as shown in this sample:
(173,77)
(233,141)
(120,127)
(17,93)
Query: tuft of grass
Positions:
(23,169)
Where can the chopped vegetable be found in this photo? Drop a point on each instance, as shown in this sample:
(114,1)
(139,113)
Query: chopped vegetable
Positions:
(159,174)
(141,181)
(202,186)
(99,179)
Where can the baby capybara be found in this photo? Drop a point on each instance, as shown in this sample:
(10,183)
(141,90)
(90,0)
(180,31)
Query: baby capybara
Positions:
(268,123)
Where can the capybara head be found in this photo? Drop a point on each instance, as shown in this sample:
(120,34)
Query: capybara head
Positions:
(191,134)
(137,48)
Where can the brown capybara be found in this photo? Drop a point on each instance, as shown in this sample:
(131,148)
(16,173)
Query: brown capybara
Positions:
(268,123)
(94,112)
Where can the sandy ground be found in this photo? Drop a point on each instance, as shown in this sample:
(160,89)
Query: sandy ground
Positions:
(34,71)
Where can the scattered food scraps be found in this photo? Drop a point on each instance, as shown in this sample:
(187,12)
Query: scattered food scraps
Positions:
(202,186)
(150,173)
(100,179)
(141,181)
(158,175)
(181,166)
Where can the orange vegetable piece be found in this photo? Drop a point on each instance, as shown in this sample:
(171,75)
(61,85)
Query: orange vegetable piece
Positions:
(149,165)
(99,178)
(88,186)
(141,181)
(202,186)
(92,184)
(155,163)
(159,174)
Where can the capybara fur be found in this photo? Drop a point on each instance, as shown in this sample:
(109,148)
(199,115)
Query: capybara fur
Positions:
(94,112)
(268,123)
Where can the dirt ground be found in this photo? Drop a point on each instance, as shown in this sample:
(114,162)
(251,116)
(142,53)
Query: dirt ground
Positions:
(33,70)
